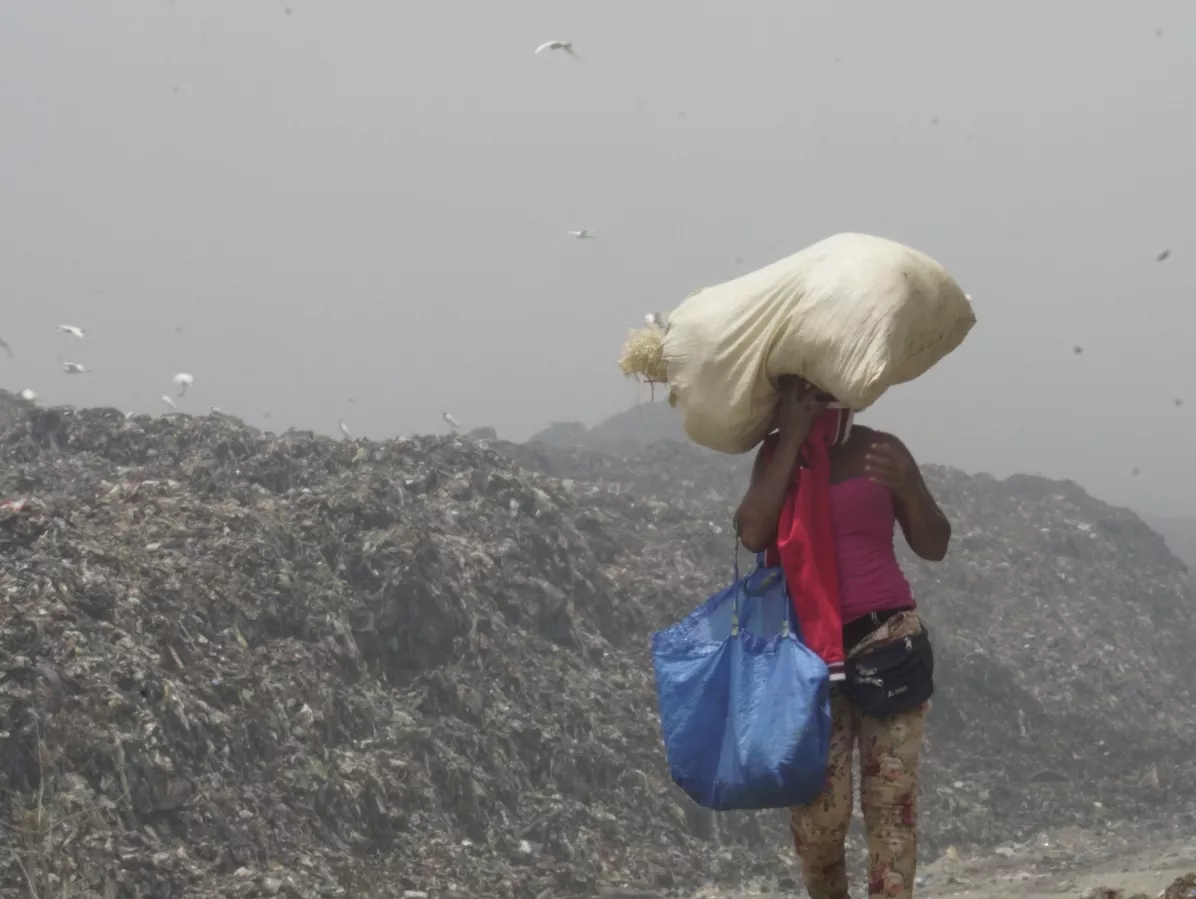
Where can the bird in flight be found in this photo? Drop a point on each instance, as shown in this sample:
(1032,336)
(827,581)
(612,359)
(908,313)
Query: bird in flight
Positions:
(345,430)
(583,234)
(1162,257)
(7,348)
(168,401)
(567,46)
(452,421)
(184,381)
(74,368)
(71,329)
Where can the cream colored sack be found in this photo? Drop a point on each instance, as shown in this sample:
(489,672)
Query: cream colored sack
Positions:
(852,314)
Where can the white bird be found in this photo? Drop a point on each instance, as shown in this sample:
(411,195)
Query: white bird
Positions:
(73,368)
(28,395)
(71,329)
(654,320)
(345,429)
(583,234)
(184,381)
(130,414)
(567,46)
(168,401)
(452,421)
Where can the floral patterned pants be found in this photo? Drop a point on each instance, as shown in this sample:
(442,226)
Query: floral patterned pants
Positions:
(889,749)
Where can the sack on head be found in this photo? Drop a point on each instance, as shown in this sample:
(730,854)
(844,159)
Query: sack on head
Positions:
(853,314)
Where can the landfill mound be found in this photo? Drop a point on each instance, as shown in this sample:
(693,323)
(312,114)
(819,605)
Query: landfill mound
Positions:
(627,431)
(1180,534)
(1064,630)
(1181,888)
(242,664)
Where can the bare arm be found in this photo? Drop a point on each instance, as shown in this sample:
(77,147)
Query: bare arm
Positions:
(760,510)
(800,403)
(926,529)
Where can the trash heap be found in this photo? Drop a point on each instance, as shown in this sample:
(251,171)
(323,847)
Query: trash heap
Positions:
(246,664)
(1181,888)
(1064,630)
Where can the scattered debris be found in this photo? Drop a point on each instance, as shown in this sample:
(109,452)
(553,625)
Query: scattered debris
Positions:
(1181,888)
(303,666)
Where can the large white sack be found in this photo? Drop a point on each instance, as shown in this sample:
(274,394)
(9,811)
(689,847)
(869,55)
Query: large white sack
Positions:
(853,314)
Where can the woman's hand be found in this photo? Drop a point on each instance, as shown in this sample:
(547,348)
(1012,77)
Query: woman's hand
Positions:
(926,528)
(891,466)
(800,405)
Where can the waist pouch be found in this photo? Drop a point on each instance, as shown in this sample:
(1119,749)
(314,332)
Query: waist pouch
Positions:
(893,678)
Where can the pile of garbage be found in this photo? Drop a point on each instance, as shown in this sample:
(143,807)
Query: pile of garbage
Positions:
(1181,888)
(239,663)
(1064,631)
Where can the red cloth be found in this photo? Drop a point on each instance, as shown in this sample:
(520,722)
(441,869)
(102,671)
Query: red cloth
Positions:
(805,545)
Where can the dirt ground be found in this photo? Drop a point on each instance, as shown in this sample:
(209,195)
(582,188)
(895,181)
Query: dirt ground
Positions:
(1098,862)
(1140,857)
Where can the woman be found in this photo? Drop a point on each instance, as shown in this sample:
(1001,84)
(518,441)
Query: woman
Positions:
(857,483)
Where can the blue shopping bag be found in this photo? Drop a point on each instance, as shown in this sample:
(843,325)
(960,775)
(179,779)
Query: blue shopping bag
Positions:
(744,704)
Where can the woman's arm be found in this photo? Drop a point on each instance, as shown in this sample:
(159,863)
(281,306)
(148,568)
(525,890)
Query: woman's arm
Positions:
(760,510)
(926,528)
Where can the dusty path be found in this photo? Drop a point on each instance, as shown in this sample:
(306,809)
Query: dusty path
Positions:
(1140,857)
(1022,877)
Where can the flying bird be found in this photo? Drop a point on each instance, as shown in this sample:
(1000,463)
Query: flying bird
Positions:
(168,401)
(583,234)
(73,368)
(7,348)
(345,430)
(452,421)
(184,381)
(1162,256)
(71,329)
(28,395)
(567,46)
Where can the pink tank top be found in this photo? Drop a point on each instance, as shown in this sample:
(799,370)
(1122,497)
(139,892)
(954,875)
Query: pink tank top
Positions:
(870,577)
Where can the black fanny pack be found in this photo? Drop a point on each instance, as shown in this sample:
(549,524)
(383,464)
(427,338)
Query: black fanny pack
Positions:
(892,678)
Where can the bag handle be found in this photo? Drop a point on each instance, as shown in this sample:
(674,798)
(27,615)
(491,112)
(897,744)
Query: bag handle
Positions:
(760,557)
(735,570)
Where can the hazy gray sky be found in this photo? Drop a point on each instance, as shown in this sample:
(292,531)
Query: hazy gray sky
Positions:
(368,199)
